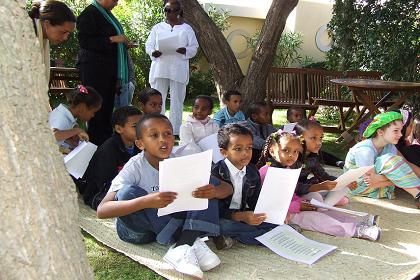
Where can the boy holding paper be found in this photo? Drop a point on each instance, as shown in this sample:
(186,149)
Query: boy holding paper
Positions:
(237,219)
(134,198)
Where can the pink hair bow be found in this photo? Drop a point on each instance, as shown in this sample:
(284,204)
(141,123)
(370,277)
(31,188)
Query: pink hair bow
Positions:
(83,89)
(312,118)
(280,132)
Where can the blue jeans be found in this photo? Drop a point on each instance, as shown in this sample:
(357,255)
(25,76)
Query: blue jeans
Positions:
(145,226)
(125,97)
(243,232)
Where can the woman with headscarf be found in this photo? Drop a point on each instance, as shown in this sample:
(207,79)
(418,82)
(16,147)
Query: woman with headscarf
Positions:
(170,64)
(53,22)
(102,61)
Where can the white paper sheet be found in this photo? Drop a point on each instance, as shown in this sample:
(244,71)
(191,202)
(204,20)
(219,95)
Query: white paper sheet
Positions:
(333,197)
(332,208)
(350,176)
(77,161)
(169,44)
(183,175)
(210,142)
(276,194)
(288,243)
(289,127)
(178,150)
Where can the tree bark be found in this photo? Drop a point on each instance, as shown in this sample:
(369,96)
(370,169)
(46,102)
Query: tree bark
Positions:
(40,237)
(222,61)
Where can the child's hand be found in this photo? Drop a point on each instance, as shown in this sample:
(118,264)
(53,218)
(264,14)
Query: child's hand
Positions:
(253,219)
(207,191)
(327,185)
(83,135)
(352,186)
(306,206)
(159,199)
(288,218)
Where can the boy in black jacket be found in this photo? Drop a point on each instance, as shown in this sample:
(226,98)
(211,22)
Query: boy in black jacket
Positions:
(237,219)
(111,156)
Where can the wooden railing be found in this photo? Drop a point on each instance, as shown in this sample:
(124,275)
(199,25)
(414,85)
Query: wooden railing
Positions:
(63,80)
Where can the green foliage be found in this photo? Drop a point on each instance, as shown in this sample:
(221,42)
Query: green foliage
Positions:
(201,83)
(288,49)
(377,35)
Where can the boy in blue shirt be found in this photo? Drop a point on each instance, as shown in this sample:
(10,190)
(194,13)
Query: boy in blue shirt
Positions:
(232,112)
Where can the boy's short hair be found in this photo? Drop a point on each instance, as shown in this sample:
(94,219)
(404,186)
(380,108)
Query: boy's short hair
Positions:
(296,109)
(148,117)
(255,108)
(120,116)
(146,93)
(229,93)
(224,134)
(209,99)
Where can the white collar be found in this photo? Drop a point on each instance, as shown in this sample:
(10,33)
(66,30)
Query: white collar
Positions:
(233,170)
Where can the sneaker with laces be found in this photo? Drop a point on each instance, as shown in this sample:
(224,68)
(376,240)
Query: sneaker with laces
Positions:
(372,233)
(207,259)
(223,242)
(184,260)
(370,220)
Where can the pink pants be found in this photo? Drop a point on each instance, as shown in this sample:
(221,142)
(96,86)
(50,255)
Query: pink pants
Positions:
(328,222)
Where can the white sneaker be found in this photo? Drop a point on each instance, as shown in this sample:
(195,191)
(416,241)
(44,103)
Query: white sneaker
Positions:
(370,220)
(206,258)
(372,233)
(183,259)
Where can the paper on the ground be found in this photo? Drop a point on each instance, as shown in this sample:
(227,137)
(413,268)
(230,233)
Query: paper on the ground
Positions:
(351,176)
(183,175)
(276,194)
(77,161)
(332,208)
(177,150)
(289,127)
(288,243)
(169,44)
(210,142)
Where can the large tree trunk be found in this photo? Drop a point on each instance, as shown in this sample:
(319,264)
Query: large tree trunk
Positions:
(227,73)
(40,237)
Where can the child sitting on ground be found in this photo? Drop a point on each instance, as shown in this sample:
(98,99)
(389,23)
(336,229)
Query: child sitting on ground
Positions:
(260,126)
(282,150)
(111,156)
(390,169)
(312,134)
(150,101)
(134,198)
(84,103)
(199,125)
(232,112)
(236,211)
(405,146)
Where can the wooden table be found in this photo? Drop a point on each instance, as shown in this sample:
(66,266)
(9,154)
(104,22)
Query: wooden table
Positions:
(362,89)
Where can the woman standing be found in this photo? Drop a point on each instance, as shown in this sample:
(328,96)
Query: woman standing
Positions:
(53,22)
(171,69)
(102,61)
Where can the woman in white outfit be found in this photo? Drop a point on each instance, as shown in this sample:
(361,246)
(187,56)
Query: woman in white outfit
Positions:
(170,64)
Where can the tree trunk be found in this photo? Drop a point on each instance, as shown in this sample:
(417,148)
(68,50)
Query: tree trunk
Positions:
(40,237)
(227,73)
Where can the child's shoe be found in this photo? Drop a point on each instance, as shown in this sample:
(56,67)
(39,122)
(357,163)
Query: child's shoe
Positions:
(223,242)
(207,259)
(370,220)
(184,260)
(417,200)
(372,233)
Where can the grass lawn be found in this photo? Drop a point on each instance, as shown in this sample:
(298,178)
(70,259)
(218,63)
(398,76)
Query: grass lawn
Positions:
(108,264)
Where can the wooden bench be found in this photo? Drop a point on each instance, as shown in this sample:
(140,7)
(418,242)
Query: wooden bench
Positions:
(63,80)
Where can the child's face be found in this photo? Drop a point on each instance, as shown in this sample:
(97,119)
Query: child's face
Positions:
(153,105)
(239,150)
(313,139)
(128,130)
(201,109)
(391,134)
(263,117)
(234,103)
(296,116)
(287,152)
(86,113)
(157,139)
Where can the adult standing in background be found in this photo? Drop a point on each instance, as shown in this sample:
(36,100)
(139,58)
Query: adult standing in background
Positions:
(170,70)
(102,61)
(53,22)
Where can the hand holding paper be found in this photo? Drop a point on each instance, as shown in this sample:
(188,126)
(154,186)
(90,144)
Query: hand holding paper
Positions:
(350,176)
(159,199)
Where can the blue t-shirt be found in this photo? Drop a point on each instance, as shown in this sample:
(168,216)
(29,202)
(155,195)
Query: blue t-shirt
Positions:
(364,154)
(222,117)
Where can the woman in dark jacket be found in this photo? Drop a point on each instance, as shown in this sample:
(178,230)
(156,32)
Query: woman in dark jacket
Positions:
(102,61)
